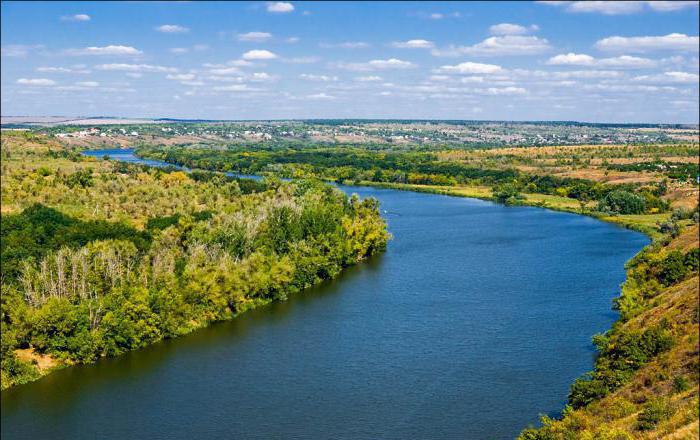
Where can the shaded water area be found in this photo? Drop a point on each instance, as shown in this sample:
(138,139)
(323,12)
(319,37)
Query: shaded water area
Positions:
(473,322)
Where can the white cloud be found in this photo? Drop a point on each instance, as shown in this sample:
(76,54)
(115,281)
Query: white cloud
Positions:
(76,17)
(87,84)
(181,76)
(257,37)
(134,75)
(441,15)
(504,91)
(74,69)
(322,78)
(672,42)
(470,68)
(226,71)
(292,40)
(609,7)
(178,50)
(18,50)
(512,29)
(116,50)
(413,44)
(121,67)
(345,45)
(259,54)
(239,63)
(606,7)
(668,6)
(261,77)
(624,61)
(572,59)
(496,46)
(301,60)
(42,82)
(370,78)
(172,29)
(391,63)
(670,77)
(236,88)
(320,97)
(280,7)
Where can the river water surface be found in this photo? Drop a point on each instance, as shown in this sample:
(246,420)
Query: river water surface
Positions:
(473,322)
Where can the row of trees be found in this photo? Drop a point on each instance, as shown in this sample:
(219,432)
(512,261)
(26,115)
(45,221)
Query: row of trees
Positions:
(424,168)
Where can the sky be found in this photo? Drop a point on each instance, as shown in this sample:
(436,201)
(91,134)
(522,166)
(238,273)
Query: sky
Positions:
(586,61)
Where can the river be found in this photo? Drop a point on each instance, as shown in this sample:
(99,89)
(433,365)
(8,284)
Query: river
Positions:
(473,322)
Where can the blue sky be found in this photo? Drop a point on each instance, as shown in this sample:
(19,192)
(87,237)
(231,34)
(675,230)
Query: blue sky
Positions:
(586,61)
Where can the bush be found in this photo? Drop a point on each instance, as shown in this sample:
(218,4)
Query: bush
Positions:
(680,384)
(623,202)
(654,413)
(507,194)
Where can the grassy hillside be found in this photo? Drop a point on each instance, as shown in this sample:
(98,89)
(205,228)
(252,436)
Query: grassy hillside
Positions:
(645,384)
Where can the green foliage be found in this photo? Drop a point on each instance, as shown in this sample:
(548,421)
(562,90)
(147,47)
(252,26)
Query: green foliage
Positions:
(654,413)
(39,229)
(680,384)
(623,202)
(619,356)
(78,289)
(507,194)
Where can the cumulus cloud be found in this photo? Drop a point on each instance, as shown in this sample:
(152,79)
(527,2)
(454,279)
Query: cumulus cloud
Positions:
(413,44)
(471,68)
(41,82)
(624,61)
(280,7)
(512,29)
(572,59)
(76,17)
(497,46)
(172,29)
(670,42)
(122,67)
(391,63)
(116,50)
(254,36)
(259,54)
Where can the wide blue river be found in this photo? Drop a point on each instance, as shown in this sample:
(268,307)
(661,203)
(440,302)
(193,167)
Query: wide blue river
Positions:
(473,322)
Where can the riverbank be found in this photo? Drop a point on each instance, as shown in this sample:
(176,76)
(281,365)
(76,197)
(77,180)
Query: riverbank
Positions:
(645,223)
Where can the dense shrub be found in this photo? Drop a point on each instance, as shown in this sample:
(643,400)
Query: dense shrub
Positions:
(623,202)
